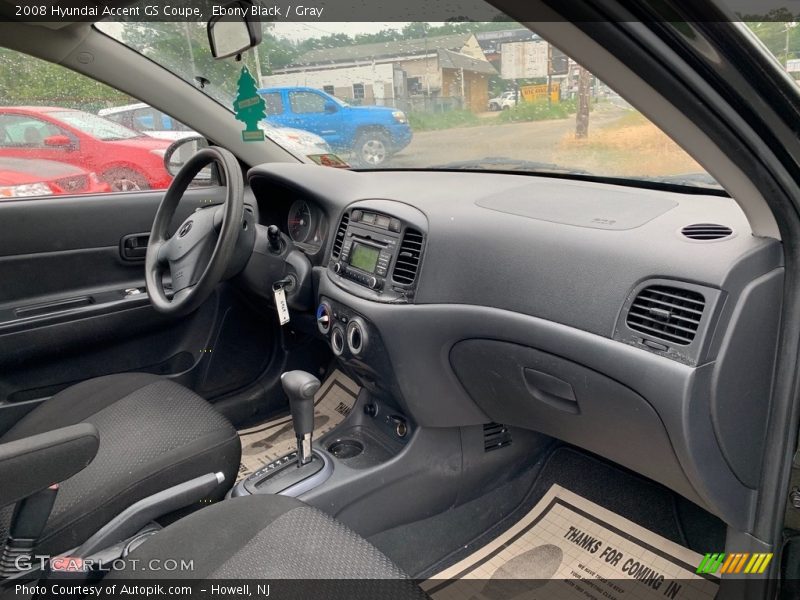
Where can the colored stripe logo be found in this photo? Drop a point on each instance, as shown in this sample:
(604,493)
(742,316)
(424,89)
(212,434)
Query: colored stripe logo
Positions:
(735,562)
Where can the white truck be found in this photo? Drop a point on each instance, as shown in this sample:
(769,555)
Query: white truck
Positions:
(504,101)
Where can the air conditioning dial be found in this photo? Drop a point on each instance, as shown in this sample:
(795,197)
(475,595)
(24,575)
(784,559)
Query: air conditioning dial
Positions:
(337,340)
(356,336)
(324,318)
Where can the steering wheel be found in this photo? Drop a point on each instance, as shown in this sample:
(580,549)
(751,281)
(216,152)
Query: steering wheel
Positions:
(198,255)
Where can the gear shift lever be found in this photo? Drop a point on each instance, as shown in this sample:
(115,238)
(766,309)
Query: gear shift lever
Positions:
(301,388)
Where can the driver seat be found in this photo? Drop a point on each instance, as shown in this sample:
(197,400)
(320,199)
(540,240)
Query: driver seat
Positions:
(153,434)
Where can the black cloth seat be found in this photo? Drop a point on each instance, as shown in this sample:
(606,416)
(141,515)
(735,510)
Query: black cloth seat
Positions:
(271,537)
(153,434)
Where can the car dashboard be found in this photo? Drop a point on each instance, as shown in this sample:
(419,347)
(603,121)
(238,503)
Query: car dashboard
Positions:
(638,324)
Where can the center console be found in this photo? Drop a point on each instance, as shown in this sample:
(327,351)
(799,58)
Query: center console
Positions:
(376,255)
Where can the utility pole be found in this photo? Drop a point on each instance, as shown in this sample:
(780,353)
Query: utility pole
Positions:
(789,26)
(549,73)
(584,91)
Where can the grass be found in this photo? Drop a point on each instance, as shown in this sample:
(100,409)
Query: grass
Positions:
(526,111)
(628,146)
(422,121)
(537,111)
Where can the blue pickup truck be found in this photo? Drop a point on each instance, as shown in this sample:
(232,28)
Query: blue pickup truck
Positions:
(371,134)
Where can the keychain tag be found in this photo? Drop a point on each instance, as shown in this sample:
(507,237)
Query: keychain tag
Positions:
(280,303)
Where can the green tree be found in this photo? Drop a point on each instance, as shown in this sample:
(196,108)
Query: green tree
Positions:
(777,31)
(25,80)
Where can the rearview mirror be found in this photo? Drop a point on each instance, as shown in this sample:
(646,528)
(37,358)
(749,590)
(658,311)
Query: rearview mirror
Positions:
(57,141)
(234,30)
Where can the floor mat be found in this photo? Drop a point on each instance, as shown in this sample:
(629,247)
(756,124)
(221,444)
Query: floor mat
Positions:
(569,548)
(267,441)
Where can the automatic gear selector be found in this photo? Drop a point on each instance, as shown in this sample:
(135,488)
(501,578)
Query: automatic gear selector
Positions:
(301,387)
(302,469)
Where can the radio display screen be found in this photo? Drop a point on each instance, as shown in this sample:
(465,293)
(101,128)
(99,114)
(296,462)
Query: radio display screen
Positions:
(364,257)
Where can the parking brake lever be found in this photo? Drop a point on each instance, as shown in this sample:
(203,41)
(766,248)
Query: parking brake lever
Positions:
(27,525)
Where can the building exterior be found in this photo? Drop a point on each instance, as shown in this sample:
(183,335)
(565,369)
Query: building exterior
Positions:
(421,74)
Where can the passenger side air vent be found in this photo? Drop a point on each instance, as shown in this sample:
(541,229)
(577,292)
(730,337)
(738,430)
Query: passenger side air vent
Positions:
(495,436)
(706,231)
(339,240)
(405,268)
(668,313)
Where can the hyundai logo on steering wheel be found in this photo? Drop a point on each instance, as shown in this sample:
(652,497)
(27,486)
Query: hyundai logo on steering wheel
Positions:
(185,228)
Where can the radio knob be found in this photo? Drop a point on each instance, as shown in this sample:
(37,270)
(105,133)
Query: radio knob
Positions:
(372,282)
(337,268)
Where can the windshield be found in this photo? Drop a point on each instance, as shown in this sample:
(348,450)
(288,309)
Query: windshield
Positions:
(464,95)
(97,127)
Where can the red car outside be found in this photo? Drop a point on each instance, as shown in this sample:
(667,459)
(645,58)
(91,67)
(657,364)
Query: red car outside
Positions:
(125,159)
(25,177)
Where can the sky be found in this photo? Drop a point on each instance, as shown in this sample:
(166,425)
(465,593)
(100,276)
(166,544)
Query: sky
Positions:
(303,31)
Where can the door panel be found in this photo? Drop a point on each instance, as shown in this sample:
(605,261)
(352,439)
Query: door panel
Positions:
(65,315)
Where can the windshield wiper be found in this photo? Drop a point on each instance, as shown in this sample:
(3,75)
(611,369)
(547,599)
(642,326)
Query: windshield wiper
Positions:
(500,163)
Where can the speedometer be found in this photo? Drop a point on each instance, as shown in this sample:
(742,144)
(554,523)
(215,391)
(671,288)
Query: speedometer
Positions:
(301,222)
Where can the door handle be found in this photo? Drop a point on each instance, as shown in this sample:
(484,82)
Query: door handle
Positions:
(133,247)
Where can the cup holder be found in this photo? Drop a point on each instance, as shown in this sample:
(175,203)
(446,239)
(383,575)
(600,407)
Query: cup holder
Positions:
(344,449)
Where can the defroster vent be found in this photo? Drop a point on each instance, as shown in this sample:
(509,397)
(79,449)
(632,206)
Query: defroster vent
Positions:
(405,268)
(706,232)
(668,313)
(339,240)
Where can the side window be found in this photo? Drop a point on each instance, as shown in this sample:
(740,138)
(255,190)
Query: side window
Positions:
(306,102)
(274,103)
(144,119)
(54,139)
(22,131)
(118,117)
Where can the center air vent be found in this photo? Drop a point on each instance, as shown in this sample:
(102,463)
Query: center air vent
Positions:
(405,268)
(706,231)
(339,240)
(495,436)
(668,313)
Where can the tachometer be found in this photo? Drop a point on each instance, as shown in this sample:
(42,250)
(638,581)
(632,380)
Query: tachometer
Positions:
(301,222)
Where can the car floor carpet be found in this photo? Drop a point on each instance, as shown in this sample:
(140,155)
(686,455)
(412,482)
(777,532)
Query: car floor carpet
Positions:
(271,439)
(427,547)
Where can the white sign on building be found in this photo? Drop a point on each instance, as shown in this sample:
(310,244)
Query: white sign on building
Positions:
(523,60)
(793,65)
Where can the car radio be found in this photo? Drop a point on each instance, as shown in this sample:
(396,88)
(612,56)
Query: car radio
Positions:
(368,247)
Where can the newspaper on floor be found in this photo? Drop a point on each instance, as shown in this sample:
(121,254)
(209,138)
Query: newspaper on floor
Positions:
(567,548)
(267,441)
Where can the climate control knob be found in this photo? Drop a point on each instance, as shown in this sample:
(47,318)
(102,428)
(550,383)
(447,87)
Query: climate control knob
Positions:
(337,340)
(372,282)
(324,318)
(337,268)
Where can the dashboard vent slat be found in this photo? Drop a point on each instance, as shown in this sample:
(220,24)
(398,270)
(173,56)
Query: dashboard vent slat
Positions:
(706,231)
(668,313)
(339,240)
(407,263)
